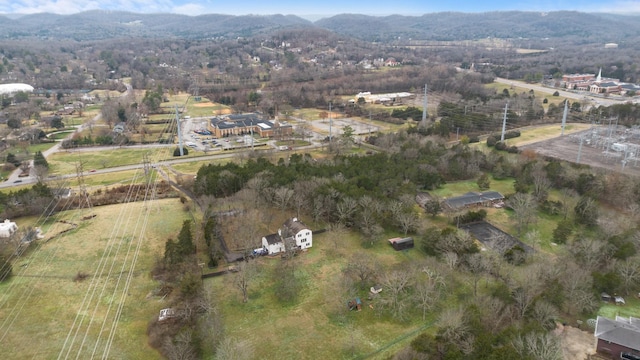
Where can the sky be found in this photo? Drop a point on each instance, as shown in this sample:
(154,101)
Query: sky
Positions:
(315,9)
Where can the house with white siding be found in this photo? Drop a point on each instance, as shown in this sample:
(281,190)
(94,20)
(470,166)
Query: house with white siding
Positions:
(293,235)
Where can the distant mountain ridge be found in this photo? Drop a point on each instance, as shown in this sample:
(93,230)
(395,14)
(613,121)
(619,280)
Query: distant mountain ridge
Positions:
(446,26)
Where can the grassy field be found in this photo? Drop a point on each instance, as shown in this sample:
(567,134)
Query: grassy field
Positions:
(40,303)
(544,132)
(64,162)
(515,89)
(631,308)
(318,326)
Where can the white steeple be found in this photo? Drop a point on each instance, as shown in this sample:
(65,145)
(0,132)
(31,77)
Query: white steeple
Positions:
(599,78)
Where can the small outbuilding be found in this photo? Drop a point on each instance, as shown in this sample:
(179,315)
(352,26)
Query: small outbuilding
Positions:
(7,228)
(401,243)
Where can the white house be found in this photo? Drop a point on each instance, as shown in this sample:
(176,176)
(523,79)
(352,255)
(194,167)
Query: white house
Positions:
(273,243)
(7,228)
(300,232)
(293,232)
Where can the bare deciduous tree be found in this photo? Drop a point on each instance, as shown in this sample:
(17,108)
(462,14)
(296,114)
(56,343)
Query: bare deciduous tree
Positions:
(524,207)
(243,276)
(181,347)
(232,349)
(455,330)
(396,284)
(429,288)
(346,210)
(451,259)
(362,268)
(629,271)
(540,346)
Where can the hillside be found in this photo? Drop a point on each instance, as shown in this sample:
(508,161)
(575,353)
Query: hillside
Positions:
(466,26)
(98,24)
(447,26)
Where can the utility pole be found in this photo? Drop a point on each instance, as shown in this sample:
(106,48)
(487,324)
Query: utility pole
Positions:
(423,123)
(579,150)
(330,123)
(504,121)
(564,117)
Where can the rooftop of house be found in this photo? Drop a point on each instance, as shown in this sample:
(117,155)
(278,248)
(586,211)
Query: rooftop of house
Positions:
(273,239)
(294,225)
(472,198)
(621,331)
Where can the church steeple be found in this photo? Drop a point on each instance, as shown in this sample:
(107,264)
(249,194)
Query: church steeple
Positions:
(599,78)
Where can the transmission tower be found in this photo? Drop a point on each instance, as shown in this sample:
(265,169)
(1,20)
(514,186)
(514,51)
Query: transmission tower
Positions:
(82,187)
(423,123)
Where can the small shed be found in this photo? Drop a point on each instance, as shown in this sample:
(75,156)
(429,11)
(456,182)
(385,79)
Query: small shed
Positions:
(605,297)
(401,243)
(8,228)
(620,300)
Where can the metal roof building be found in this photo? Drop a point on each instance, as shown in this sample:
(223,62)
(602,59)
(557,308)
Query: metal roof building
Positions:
(10,89)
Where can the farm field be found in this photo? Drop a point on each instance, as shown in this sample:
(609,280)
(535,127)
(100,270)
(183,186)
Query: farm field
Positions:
(48,310)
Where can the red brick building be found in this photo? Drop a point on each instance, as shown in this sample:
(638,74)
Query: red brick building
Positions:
(619,336)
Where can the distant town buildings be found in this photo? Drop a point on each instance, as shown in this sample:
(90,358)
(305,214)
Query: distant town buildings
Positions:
(384,99)
(597,84)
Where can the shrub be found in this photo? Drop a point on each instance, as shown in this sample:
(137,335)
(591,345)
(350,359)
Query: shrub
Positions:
(471,216)
(176,152)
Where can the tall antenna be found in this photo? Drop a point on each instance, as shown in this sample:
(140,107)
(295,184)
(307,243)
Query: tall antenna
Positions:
(423,123)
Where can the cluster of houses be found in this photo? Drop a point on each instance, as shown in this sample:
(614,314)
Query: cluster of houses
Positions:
(598,84)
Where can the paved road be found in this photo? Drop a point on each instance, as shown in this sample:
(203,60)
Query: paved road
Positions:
(220,155)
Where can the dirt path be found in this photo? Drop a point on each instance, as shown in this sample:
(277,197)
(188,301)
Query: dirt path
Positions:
(576,344)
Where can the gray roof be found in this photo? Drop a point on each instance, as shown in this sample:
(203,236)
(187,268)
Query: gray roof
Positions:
(273,239)
(242,121)
(622,331)
(472,198)
(294,226)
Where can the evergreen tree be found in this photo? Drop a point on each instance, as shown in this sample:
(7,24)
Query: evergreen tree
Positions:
(185,244)
(40,160)
(12,159)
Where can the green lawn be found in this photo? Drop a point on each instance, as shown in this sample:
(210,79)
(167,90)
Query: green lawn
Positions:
(457,188)
(42,300)
(318,326)
(65,162)
(631,308)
